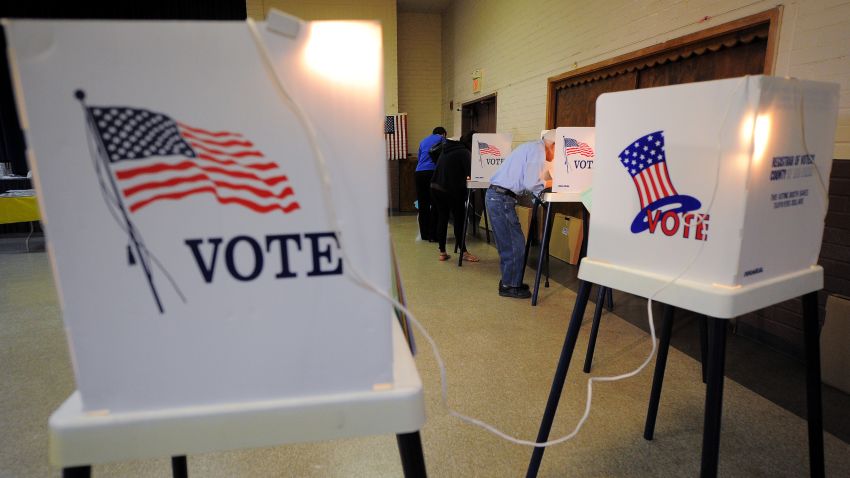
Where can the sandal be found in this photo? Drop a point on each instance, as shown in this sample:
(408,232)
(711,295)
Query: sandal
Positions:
(470,258)
(444,256)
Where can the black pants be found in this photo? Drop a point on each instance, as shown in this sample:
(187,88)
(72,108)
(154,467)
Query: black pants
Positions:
(445,203)
(427,213)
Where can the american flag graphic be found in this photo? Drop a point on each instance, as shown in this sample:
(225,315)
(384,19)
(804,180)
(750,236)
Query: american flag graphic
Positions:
(156,158)
(572,146)
(484,148)
(395,135)
(646,162)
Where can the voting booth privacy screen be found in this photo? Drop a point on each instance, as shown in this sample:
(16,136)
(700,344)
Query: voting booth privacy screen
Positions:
(574,157)
(489,151)
(725,180)
(189,236)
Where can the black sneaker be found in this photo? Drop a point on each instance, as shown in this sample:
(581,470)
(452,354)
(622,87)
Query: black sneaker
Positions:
(514,292)
(523,286)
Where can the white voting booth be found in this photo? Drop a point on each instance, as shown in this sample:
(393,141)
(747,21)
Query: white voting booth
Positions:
(200,278)
(720,185)
(489,151)
(572,171)
(710,197)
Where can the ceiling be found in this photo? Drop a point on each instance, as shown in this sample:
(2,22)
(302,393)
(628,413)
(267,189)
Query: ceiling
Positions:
(423,6)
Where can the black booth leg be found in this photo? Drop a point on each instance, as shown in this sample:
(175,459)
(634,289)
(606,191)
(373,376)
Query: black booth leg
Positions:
(486,219)
(560,376)
(811,331)
(658,376)
(703,346)
(544,249)
(412,459)
(610,301)
(179,467)
(462,241)
(532,226)
(77,472)
(713,397)
(594,329)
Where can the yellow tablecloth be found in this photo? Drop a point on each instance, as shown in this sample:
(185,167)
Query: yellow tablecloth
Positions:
(20,209)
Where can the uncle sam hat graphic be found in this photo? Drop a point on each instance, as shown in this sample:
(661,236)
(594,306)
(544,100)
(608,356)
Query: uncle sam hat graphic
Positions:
(646,162)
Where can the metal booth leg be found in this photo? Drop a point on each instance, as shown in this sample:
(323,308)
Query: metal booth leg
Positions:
(412,459)
(532,226)
(713,397)
(811,330)
(658,376)
(703,347)
(594,329)
(179,467)
(486,219)
(462,241)
(76,472)
(544,248)
(560,376)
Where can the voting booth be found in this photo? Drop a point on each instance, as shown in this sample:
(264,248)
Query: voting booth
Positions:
(720,185)
(196,256)
(710,197)
(574,156)
(489,151)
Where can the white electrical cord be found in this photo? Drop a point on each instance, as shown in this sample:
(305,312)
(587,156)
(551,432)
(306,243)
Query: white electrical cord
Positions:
(352,273)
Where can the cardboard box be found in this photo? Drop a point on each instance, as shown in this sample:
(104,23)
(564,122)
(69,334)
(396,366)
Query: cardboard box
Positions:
(567,235)
(524,215)
(834,337)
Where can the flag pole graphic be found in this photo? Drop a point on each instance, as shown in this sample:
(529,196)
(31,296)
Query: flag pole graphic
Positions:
(131,229)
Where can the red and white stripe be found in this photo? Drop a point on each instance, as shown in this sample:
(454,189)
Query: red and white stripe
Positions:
(397,142)
(227,166)
(653,183)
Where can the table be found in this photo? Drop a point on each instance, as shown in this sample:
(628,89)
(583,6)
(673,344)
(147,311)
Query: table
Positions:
(79,439)
(20,209)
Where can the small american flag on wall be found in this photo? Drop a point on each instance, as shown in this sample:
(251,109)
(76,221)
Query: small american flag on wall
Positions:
(395,135)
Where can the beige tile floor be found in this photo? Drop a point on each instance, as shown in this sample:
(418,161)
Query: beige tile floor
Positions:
(500,355)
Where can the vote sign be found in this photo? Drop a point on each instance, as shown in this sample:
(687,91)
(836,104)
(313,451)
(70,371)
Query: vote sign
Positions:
(574,157)
(720,181)
(191,242)
(489,151)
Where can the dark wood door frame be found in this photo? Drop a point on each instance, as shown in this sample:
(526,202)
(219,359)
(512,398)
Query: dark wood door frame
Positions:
(636,59)
(470,108)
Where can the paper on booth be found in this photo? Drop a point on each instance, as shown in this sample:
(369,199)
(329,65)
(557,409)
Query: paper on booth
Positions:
(489,151)
(171,167)
(574,157)
(720,165)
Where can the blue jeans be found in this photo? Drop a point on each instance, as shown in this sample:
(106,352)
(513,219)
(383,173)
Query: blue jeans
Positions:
(508,234)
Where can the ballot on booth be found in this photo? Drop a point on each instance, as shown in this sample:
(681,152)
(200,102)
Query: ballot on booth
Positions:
(572,171)
(190,223)
(720,185)
(489,151)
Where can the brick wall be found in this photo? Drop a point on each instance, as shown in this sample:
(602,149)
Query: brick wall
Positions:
(419,74)
(519,45)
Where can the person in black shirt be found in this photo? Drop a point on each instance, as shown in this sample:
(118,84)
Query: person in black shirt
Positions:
(448,191)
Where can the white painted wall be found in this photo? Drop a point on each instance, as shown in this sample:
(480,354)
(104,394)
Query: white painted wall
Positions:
(519,44)
(420,74)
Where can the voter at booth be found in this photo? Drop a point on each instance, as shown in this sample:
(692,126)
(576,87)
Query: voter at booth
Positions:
(448,192)
(526,169)
(422,179)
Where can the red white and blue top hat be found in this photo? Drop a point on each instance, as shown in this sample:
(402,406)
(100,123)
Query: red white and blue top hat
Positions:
(646,162)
